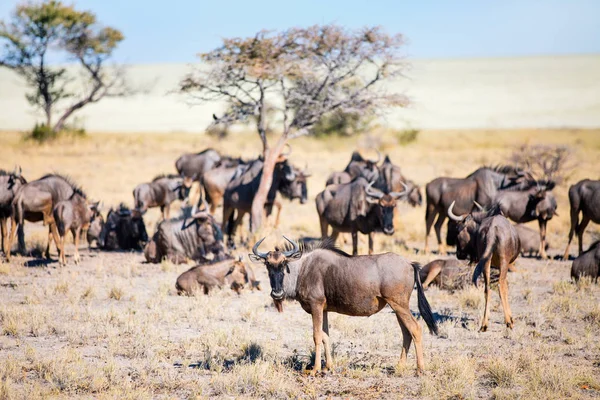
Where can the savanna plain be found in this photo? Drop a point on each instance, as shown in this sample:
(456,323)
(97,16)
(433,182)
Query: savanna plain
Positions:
(114,327)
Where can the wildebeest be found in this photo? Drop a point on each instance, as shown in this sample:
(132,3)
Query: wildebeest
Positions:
(215,182)
(324,279)
(357,167)
(584,198)
(290,190)
(191,167)
(530,240)
(481,186)
(73,215)
(449,274)
(587,264)
(35,201)
(527,202)
(96,226)
(356,207)
(391,179)
(124,230)
(183,239)
(241,190)
(232,273)
(489,239)
(10,182)
(161,192)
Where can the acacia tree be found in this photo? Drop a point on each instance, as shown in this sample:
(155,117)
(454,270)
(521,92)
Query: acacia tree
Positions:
(39,32)
(306,73)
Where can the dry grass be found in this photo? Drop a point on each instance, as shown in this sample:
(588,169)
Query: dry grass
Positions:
(113,327)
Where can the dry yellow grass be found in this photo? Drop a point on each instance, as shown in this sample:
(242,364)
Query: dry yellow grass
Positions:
(112,327)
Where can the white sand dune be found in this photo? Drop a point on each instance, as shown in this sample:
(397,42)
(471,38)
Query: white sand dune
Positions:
(463,93)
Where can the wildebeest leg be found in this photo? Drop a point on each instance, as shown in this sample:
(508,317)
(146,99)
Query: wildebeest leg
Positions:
(324,226)
(167,212)
(21,233)
(434,271)
(370,243)
(11,237)
(162,212)
(4,238)
(430,215)
(411,330)
(317,317)
(486,278)
(226,224)
(76,234)
(327,343)
(54,232)
(50,241)
(543,223)
(574,223)
(438,232)
(503,290)
(354,243)
(334,235)
(60,246)
(585,220)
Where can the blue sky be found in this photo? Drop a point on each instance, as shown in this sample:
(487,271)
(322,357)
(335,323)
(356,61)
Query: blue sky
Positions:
(174,31)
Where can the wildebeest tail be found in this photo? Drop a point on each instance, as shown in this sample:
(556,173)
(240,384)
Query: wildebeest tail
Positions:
(487,254)
(424,307)
(58,219)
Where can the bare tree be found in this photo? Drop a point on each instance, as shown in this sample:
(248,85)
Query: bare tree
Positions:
(550,162)
(305,73)
(38,32)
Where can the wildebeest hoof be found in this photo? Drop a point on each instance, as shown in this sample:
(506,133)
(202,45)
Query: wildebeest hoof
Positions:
(483,328)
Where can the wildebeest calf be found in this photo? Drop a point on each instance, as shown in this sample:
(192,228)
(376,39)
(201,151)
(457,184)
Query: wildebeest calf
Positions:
(161,192)
(587,264)
(230,273)
(449,274)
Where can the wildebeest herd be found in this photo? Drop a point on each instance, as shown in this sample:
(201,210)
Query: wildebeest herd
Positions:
(322,278)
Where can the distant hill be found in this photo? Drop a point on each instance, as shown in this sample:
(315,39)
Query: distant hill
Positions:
(561,91)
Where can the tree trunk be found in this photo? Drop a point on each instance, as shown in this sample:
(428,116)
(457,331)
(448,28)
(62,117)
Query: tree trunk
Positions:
(258,204)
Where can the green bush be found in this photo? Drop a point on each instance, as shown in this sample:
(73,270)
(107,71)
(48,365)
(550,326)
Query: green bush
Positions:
(407,136)
(42,133)
(341,124)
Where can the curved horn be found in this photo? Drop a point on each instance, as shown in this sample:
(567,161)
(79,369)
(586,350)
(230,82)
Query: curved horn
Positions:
(478,206)
(396,195)
(453,216)
(294,250)
(255,249)
(371,193)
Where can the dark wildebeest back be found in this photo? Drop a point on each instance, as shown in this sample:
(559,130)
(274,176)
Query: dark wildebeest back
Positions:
(183,239)
(449,274)
(10,183)
(584,198)
(489,239)
(232,273)
(35,201)
(324,279)
(587,264)
(123,230)
(161,192)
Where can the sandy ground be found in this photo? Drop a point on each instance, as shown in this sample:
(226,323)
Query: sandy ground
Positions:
(522,92)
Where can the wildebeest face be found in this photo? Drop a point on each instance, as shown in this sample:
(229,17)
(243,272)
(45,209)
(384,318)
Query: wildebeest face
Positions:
(385,212)
(465,245)
(295,189)
(96,227)
(238,276)
(138,229)
(414,196)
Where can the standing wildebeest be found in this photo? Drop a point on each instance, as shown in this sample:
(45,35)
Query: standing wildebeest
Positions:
(530,240)
(529,201)
(123,230)
(584,198)
(215,182)
(481,186)
(186,238)
(450,274)
(489,239)
(161,192)
(10,182)
(325,279)
(75,215)
(357,167)
(240,192)
(356,207)
(587,264)
(191,167)
(232,273)
(291,190)
(35,201)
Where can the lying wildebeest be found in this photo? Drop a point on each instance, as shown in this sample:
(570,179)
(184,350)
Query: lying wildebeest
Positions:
(232,273)
(161,192)
(357,167)
(10,182)
(530,240)
(449,274)
(75,215)
(183,239)
(124,230)
(240,193)
(35,201)
(356,207)
(584,198)
(530,201)
(489,239)
(587,264)
(481,186)
(96,226)
(325,279)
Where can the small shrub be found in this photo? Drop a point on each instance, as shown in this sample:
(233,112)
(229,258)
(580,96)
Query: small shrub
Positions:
(42,133)
(470,298)
(61,288)
(116,293)
(407,136)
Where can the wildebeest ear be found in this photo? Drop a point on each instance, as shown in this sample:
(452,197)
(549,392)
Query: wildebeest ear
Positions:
(255,258)
(230,270)
(295,256)
(372,200)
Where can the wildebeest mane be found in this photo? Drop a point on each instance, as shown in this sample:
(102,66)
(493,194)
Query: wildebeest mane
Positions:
(324,244)
(169,176)
(76,188)
(500,168)
(527,184)
(204,151)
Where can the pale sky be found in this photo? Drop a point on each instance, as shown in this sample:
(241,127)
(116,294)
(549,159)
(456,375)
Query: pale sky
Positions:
(174,31)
